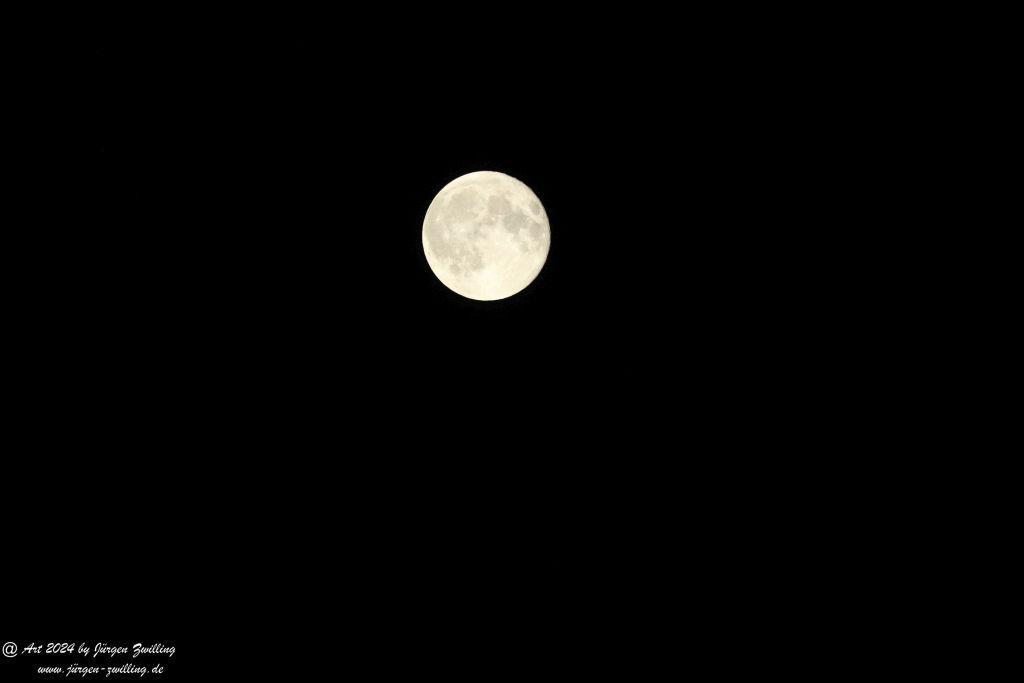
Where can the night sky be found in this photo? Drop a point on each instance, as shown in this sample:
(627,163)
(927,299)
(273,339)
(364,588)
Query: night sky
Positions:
(261,413)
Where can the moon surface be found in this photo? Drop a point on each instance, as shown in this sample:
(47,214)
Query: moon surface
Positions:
(486,236)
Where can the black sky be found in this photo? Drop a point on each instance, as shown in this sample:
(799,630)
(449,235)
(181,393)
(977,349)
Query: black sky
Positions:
(265,413)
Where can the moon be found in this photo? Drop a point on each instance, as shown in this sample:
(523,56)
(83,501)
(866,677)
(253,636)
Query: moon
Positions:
(486,236)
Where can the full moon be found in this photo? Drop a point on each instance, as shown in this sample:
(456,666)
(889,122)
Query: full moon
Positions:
(486,236)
